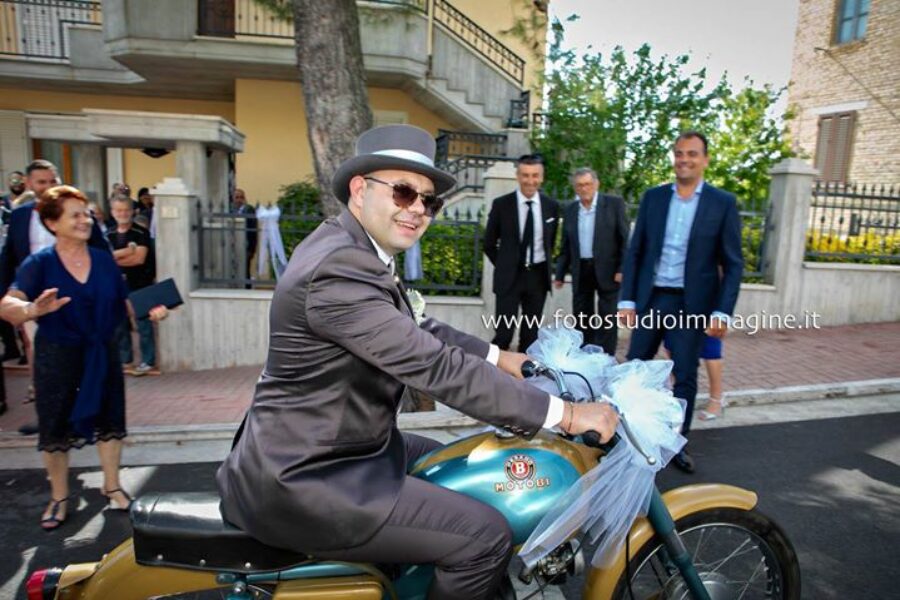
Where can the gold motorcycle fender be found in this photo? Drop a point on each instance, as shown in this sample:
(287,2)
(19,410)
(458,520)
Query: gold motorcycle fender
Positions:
(601,583)
(117,576)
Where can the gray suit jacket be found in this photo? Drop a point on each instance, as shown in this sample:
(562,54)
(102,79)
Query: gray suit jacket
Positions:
(320,462)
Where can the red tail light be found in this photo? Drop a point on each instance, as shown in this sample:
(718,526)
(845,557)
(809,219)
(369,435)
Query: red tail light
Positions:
(42,584)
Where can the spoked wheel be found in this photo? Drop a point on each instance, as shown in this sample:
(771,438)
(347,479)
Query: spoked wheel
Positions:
(739,554)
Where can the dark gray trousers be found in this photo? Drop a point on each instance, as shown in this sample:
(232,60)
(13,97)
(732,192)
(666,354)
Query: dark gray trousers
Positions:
(469,542)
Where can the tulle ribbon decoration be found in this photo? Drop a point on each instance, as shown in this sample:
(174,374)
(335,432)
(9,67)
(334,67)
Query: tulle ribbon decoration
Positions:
(604,502)
(271,246)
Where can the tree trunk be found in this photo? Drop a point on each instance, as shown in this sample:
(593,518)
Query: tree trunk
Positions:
(329,58)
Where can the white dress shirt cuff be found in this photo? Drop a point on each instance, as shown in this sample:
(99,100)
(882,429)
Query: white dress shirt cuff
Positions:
(493,356)
(721,316)
(554,412)
(624,304)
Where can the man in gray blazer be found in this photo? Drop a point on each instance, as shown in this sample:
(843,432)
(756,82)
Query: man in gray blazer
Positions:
(319,465)
(595,237)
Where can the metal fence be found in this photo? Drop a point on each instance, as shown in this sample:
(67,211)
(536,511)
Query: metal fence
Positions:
(228,244)
(39,29)
(756,227)
(451,255)
(228,252)
(854,223)
(467,155)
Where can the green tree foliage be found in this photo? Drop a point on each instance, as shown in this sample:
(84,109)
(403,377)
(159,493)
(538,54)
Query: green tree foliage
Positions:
(620,113)
(745,143)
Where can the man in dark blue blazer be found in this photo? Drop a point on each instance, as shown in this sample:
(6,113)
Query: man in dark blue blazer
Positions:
(595,238)
(683,270)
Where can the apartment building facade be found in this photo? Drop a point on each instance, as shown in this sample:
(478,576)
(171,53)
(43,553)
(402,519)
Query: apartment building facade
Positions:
(135,91)
(845,86)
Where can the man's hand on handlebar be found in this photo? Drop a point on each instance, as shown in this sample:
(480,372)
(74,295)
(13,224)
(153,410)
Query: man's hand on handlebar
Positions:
(511,362)
(582,417)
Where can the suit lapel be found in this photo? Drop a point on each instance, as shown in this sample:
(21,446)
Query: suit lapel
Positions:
(599,220)
(571,225)
(703,206)
(403,296)
(514,204)
(546,225)
(356,231)
(659,210)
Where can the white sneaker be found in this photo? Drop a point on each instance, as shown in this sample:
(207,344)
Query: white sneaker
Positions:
(142,369)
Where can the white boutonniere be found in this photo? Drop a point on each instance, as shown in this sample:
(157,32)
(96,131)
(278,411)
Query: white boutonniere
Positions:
(417,302)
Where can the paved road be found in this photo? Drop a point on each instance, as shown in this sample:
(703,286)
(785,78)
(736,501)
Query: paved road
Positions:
(833,484)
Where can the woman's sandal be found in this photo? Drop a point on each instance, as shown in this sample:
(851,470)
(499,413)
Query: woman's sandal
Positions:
(53,521)
(112,506)
(714,409)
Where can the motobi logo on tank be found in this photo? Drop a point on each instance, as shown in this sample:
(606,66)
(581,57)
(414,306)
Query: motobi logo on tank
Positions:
(520,474)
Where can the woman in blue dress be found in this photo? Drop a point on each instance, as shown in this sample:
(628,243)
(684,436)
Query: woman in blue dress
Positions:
(78,297)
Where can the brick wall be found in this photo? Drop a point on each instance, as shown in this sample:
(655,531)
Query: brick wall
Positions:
(819,81)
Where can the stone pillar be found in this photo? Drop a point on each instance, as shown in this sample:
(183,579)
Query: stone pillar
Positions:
(517,142)
(191,168)
(176,254)
(500,179)
(89,166)
(217,180)
(790,193)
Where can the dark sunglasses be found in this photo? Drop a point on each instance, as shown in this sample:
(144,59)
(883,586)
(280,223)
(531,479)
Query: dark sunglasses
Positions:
(405,196)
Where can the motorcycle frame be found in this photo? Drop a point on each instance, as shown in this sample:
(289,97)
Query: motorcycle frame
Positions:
(119,576)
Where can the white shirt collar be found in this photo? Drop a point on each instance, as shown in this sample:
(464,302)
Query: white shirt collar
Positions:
(697,190)
(522,198)
(386,258)
(593,202)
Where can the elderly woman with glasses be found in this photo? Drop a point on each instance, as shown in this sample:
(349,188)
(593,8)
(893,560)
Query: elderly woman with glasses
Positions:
(78,297)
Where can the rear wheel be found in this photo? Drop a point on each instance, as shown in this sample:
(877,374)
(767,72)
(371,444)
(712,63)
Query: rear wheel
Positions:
(738,554)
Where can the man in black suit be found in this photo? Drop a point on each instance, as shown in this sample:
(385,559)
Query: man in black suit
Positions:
(595,235)
(241,207)
(518,240)
(684,260)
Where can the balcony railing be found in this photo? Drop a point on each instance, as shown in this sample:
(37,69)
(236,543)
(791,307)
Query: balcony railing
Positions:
(480,40)
(246,18)
(39,29)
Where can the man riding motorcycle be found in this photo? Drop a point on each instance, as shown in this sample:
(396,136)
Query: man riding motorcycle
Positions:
(319,465)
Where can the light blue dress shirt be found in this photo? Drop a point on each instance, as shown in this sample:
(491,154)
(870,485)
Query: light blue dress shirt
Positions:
(586,220)
(670,267)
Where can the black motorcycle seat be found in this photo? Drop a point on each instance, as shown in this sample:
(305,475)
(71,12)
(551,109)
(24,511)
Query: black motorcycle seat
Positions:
(187,530)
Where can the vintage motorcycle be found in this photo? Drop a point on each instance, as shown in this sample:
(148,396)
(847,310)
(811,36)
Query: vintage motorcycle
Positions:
(705,542)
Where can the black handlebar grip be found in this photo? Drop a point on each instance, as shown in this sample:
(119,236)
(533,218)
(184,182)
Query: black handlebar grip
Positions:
(592,439)
(529,369)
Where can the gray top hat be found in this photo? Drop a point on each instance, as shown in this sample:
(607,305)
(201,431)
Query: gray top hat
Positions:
(401,147)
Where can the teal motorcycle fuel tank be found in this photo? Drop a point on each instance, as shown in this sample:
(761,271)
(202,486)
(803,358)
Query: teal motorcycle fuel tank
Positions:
(522,479)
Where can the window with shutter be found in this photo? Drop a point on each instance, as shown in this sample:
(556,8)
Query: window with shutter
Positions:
(834,145)
(850,20)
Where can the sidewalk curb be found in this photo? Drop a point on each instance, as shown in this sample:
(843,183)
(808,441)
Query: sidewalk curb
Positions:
(448,418)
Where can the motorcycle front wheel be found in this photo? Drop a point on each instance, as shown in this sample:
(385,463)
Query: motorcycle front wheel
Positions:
(738,554)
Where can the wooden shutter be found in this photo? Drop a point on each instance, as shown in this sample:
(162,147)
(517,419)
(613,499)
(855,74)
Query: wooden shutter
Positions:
(834,145)
(14,151)
(217,18)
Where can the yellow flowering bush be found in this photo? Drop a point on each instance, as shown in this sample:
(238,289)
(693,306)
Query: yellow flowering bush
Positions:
(870,248)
